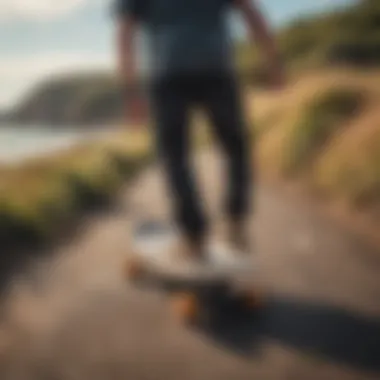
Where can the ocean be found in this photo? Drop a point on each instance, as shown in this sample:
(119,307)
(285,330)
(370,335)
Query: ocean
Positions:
(20,143)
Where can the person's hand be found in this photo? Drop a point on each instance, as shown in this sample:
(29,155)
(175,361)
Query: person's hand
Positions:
(135,107)
(136,112)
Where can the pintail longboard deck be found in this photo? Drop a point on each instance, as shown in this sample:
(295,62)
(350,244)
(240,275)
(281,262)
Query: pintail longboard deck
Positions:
(197,288)
(152,246)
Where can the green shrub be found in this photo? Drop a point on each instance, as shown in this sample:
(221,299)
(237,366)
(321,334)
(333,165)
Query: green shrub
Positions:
(350,36)
(38,198)
(127,165)
(94,182)
(24,224)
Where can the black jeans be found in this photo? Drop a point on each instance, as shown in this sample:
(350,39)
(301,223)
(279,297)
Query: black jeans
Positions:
(218,96)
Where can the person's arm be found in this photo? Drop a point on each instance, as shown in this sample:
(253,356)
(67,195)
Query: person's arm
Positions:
(127,69)
(128,16)
(127,24)
(260,31)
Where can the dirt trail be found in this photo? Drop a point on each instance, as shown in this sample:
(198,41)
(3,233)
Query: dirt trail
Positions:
(74,317)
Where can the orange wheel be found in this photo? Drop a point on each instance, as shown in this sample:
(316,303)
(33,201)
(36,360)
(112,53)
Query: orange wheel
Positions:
(253,299)
(134,269)
(186,307)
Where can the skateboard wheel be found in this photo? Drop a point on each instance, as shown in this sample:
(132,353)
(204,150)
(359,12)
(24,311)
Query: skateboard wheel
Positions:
(134,269)
(253,299)
(186,308)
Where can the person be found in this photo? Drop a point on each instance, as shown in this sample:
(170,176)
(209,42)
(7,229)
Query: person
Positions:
(192,65)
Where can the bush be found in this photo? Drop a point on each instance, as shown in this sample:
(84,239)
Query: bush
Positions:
(350,36)
(23,223)
(38,198)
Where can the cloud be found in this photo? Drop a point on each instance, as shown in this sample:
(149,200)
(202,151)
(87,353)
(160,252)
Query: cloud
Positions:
(39,9)
(19,73)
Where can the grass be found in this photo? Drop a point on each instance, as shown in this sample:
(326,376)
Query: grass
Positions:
(324,131)
(350,168)
(322,118)
(39,197)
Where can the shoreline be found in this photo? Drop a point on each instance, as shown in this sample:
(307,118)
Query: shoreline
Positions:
(42,195)
(19,144)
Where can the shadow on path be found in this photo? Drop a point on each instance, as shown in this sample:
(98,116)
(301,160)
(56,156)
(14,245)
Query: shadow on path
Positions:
(326,331)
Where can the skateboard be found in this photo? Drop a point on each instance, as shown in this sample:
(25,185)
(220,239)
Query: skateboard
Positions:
(198,290)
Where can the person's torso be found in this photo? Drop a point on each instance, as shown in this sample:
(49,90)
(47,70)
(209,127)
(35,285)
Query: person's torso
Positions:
(187,36)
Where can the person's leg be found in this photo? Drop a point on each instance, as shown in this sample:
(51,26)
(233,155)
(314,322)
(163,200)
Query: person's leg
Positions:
(222,101)
(171,105)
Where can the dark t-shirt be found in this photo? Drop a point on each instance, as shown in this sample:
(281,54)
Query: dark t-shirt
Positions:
(185,36)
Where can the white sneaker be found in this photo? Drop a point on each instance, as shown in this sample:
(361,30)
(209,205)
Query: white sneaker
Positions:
(229,259)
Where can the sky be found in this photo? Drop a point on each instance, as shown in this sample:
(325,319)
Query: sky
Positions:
(39,38)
